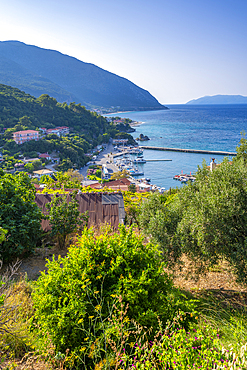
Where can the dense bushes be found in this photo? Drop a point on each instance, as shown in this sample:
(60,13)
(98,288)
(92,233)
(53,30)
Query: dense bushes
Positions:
(82,288)
(19,215)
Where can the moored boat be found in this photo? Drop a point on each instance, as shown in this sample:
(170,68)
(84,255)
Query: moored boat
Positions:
(184,177)
(139,160)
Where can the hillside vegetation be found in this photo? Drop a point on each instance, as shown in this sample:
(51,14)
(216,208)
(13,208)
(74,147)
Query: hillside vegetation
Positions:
(107,299)
(109,302)
(21,111)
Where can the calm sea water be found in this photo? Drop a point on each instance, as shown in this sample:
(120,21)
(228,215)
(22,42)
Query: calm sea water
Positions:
(210,127)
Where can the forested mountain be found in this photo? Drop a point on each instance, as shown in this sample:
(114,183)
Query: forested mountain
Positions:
(21,111)
(45,111)
(40,71)
(220,99)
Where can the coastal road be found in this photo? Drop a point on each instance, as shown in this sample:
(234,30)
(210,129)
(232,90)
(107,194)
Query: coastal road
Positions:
(104,157)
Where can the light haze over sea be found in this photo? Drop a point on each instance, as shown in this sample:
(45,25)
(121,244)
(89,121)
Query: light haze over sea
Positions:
(207,127)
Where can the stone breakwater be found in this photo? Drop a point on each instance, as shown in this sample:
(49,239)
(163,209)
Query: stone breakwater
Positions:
(188,150)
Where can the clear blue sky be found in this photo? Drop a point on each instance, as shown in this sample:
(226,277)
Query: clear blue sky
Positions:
(178,50)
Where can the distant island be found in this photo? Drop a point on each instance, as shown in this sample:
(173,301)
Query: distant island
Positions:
(38,71)
(220,99)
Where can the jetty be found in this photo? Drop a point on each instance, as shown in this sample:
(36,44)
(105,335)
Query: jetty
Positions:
(157,160)
(189,150)
(119,154)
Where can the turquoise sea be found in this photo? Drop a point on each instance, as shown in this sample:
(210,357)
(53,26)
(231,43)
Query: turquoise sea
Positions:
(208,127)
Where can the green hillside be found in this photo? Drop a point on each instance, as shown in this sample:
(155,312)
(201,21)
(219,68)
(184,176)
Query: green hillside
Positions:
(20,111)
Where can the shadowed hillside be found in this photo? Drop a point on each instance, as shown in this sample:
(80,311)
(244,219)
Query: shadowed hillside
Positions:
(39,71)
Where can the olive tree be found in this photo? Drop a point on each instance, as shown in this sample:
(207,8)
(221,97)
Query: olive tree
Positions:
(214,217)
(206,220)
(158,218)
(65,217)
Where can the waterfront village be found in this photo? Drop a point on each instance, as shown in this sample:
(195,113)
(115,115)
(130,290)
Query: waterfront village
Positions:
(114,165)
(108,164)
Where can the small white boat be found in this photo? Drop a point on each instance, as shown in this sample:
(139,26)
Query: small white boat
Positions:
(135,172)
(137,151)
(139,160)
(184,179)
(161,190)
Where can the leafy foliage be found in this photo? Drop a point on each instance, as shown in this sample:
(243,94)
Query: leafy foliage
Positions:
(242,148)
(19,215)
(111,264)
(120,175)
(70,179)
(213,224)
(159,217)
(206,220)
(3,233)
(64,217)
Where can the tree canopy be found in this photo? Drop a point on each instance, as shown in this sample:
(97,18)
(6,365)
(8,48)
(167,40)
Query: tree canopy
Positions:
(207,219)
(213,221)
(65,217)
(19,215)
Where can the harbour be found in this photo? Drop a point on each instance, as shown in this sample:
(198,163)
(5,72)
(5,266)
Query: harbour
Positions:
(132,160)
(190,136)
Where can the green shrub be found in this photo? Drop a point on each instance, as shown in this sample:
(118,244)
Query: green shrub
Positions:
(109,265)
(19,215)
(98,173)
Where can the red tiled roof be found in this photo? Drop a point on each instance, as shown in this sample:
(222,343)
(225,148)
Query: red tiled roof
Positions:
(122,185)
(38,188)
(123,181)
(96,185)
(44,155)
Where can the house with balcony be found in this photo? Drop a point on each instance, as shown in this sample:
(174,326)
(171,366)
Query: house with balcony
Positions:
(21,137)
(64,130)
(59,131)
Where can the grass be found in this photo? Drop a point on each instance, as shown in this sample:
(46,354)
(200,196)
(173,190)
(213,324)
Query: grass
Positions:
(219,310)
(216,310)
(228,313)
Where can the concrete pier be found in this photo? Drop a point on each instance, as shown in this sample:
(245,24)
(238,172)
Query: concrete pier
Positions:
(189,150)
(158,160)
